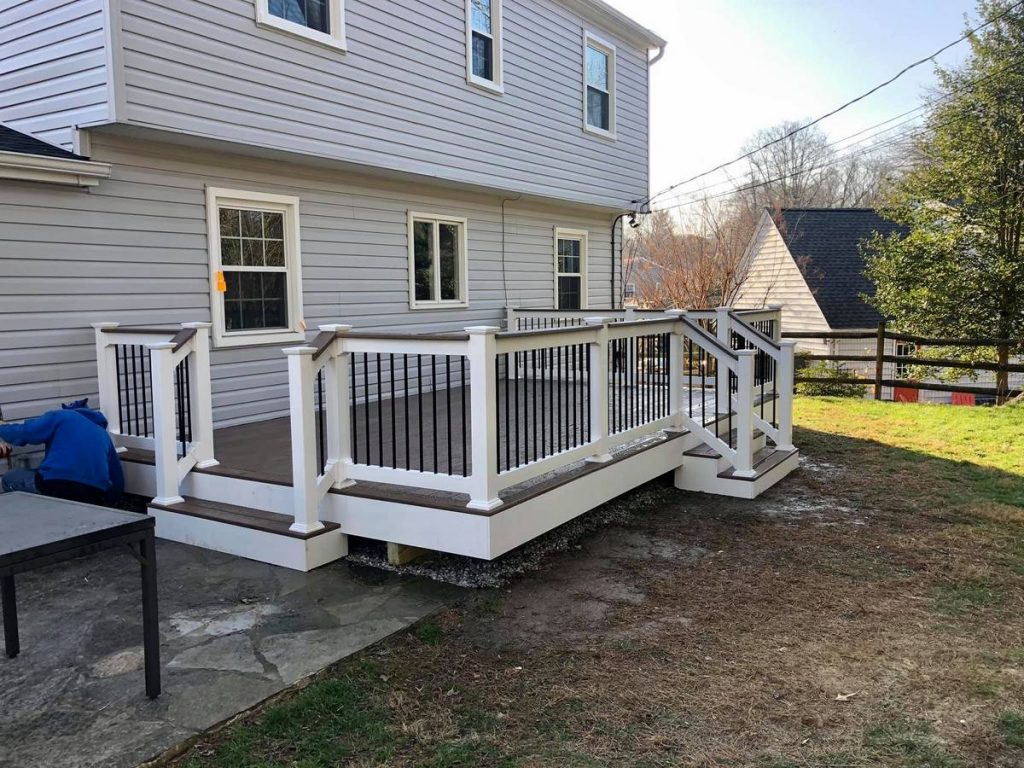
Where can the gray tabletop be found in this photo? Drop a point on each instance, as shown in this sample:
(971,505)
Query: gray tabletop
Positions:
(31,522)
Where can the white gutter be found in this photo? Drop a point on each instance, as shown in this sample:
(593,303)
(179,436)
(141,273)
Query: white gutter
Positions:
(52,170)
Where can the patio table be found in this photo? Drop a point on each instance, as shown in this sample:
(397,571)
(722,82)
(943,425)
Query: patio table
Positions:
(36,531)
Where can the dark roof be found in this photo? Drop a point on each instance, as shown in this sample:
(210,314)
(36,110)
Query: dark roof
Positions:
(16,141)
(824,242)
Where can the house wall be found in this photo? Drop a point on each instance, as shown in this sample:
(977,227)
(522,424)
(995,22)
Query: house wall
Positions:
(134,250)
(775,279)
(53,73)
(398,98)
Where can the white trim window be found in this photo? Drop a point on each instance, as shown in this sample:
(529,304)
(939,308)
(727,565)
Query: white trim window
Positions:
(484,43)
(255,268)
(629,292)
(438,261)
(598,86)
(570,268)
(322,21)
(901,370)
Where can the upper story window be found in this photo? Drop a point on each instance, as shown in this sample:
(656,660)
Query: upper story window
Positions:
(598,86)
(254,267)
(570,269)
(322,21)
(437,261)
(483,43)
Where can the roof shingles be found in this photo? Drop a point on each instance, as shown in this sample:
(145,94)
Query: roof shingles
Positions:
(824,242)
(23,144)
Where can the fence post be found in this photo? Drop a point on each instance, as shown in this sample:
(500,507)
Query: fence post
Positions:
(723,330)
(785,374)
(303,432)
(879,360)
(483,389)
(511,321)
(676,351)
(599,384)
(744,465)
(339,421)
(164,437)
(106,377)
(202,397)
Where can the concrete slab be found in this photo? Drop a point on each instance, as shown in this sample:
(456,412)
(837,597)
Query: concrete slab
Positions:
(233,632)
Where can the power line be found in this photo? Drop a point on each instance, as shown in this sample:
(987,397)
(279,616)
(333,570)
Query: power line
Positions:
(891,139)
(650,198)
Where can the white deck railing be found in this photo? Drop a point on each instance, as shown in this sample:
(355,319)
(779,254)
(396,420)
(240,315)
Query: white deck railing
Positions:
(154,387)
(404,409)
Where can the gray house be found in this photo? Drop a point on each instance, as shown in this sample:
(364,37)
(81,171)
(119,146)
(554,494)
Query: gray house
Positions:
(270,165)
(276,240)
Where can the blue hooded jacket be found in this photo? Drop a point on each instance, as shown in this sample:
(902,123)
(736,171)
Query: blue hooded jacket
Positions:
(78,447)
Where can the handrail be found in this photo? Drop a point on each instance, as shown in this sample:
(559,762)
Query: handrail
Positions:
(707,337)
(744,329)
(182,337)
(140,329)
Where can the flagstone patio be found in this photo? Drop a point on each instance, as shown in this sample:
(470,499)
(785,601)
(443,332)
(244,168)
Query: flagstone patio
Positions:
(233,632)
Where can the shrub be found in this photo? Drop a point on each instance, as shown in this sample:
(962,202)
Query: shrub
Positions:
(832,384)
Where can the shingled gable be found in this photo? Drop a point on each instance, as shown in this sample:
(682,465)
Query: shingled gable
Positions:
(824,242)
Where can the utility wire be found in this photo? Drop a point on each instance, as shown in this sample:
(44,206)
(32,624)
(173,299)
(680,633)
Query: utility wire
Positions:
(650,198)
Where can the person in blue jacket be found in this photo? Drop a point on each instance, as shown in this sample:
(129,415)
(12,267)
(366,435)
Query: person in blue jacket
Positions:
(81,463)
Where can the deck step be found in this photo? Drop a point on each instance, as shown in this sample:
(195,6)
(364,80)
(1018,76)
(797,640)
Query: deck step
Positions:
(705,451)
(243,517)
(765,460)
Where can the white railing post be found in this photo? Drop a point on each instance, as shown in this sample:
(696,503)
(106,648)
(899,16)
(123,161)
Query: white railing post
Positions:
(744,464)
(723,330)
(106,377)
(599,384)
(483,388)
(676,350)
(785,373)
(777,311)
(511,321)
(629,314)
(202,397)
(303,431)
(339,422)
(164,434)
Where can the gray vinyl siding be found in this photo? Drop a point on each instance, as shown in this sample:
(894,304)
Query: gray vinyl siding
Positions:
(53,73)
(134,250)
(398,98)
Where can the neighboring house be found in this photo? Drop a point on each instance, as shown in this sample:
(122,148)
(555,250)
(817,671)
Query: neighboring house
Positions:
(269,166)
(809,262)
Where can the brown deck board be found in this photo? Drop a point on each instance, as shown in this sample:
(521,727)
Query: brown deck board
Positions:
(244,517)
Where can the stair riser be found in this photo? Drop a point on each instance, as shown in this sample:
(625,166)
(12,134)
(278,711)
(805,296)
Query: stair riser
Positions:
(699,475)
(244,493)
(285,551)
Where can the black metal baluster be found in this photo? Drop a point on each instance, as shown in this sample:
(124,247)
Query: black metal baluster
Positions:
(544,415)
(433,408)
(366,405)
(121,412)
(448,408)
(394,433)
(516,409)
(135,389)
(321,453)
(353,399)
(420,461)
(465,405)
(497,410)
(380,416)
(405,407)
(533,387)
(508,424)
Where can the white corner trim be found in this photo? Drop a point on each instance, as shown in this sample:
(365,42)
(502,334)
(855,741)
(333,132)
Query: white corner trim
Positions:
(52,170)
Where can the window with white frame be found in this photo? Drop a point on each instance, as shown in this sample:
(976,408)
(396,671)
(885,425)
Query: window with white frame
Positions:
(322,21)
(598,86)
(437,261)
(903,349)
(255,269)
(570,269)
(629,292)
(483,43)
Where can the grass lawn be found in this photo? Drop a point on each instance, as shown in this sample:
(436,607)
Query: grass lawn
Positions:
(865,612)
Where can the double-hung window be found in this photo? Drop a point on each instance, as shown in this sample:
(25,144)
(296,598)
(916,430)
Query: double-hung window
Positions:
(903,349)
(437,261)
(483,43)
(320,20)
(598,86)
(255,272)
(570,269)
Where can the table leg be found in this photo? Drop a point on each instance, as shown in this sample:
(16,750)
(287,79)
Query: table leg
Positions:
(11,642)
(150,616)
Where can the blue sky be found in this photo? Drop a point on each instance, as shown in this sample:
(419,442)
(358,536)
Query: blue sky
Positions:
(734,66)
